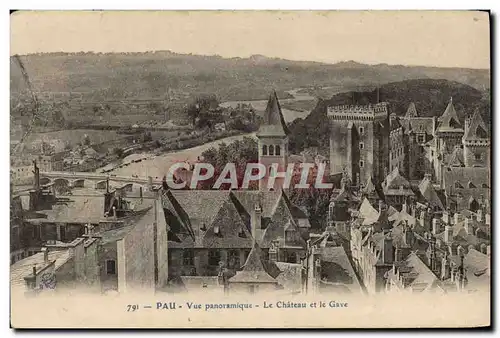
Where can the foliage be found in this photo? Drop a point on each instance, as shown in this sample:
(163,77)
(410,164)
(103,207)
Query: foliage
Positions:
(429,96)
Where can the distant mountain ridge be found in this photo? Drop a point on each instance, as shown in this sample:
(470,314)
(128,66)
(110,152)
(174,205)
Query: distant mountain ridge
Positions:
(152,74)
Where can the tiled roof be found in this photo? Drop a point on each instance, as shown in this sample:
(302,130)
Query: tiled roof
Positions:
(274,122)
(24,267)
(477,129)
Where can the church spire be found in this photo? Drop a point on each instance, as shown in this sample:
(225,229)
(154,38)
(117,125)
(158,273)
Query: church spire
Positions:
(274,122)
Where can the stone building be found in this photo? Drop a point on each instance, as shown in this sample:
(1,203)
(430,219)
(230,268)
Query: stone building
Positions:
(359,141)
(273,142)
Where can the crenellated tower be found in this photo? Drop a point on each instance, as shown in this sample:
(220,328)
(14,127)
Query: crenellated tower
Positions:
(359,141)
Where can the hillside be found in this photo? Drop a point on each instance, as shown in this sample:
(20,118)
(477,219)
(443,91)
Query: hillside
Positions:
(429,96)
(94,77)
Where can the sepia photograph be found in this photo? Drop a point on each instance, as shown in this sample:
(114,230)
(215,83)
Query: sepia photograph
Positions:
(250,169)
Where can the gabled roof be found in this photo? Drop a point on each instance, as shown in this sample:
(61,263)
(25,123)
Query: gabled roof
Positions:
(253,271)
(429,193)
(477,129)
(393,183)
(411,111)
(449,120)
(367,212)
(456,158)
(274,122)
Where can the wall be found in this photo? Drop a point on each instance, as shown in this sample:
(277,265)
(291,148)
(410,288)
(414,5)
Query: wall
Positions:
(139,254)
(108,252)
(470,159)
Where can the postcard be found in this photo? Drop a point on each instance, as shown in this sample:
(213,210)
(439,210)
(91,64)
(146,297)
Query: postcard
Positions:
(250,169)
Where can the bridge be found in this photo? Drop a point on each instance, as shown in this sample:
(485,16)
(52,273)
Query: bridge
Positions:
(94,180)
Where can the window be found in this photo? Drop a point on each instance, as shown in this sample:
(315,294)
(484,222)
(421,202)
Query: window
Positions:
(477,157)
(277,150)
(361,145)
(271,150)
(361,130)
(361,164)
(111,267)
(421,138)
(233,258)
(264,150)
(471,185)
(188,257)
(213,257)
(62,229)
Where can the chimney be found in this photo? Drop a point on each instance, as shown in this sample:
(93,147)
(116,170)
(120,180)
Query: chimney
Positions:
(457,217)
(45,255)
(445,268)
(480,215)
(387,250)
(380,206)
(433,124)
(114,212)
(34,270)
(256,221)
(273,252)
(448,234)
(404,208)
(487,219)
(36,172)
(150,183)
(446,217)
(436,226)
(469,226)
(140,193)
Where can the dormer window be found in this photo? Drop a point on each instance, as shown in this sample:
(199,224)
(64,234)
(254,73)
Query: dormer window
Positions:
(203,227)
(471,185)
(241,233)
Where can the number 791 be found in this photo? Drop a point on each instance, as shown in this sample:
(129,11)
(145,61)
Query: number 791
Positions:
(132,308)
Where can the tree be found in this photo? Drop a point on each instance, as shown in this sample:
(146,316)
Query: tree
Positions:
(118,152)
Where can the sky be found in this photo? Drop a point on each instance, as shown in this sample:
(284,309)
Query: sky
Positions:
(428,38)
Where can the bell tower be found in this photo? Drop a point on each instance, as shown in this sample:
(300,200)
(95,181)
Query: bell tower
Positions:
(273,143)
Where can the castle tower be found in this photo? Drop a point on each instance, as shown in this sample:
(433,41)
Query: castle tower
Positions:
(476,142)
(449,131)
(359,141)
(273,142)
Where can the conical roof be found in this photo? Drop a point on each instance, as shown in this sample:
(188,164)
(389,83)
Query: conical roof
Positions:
(274,122)
(477,129)
(449,119)
(412,111)
(253,271)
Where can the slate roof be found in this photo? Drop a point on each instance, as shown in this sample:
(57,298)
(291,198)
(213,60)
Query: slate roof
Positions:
(477,129)
(274,122)
(336,269)
(418,125)
(253,271)
(449,121)
(416,274)
(428,192)
(411,111)
(456,184)
(394,181)
(222,219)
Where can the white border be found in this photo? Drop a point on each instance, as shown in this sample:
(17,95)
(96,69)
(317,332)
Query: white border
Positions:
(197,4)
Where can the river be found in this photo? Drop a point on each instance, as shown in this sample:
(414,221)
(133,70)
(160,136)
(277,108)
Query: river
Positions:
(157,166)
(288,115)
